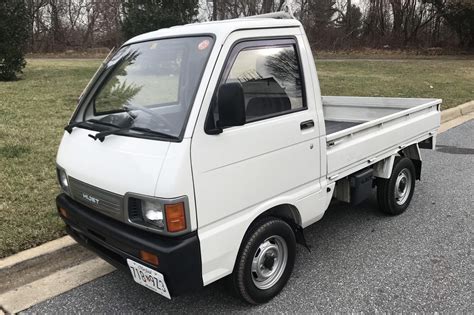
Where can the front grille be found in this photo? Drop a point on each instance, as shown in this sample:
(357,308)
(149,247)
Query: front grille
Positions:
(135,210)
(101,200)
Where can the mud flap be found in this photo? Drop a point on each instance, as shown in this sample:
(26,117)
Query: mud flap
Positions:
(299,234)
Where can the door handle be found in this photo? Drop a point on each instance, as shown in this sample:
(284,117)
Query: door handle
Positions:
(307,124)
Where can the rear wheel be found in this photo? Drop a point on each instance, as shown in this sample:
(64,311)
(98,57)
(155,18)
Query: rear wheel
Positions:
(265,260)
(394,194)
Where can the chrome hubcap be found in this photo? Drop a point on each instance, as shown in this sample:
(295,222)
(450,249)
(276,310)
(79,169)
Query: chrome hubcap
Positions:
(402,186)
(269,262)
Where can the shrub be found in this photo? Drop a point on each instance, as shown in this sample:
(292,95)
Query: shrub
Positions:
(13,38)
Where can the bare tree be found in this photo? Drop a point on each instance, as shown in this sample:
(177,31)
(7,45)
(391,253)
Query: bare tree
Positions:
(34,8)
(58,25)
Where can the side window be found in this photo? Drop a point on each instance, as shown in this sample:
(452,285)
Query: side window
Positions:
(270,77)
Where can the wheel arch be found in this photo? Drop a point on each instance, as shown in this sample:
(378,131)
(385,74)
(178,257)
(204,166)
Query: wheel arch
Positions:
(288,213)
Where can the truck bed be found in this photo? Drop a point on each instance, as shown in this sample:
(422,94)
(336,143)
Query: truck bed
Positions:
(333,126)
(361,131)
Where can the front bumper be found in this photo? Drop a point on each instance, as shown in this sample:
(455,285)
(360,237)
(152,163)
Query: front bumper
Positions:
(179,257)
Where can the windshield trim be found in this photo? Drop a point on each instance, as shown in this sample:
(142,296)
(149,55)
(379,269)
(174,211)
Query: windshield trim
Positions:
(105,73)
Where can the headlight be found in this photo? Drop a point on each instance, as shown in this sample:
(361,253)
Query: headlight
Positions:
(153,213)
(62,178)
(159,214)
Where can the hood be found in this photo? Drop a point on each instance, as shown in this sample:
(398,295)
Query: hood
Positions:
(120,164)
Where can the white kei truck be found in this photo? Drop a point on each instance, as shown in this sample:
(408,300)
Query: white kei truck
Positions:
(202,151)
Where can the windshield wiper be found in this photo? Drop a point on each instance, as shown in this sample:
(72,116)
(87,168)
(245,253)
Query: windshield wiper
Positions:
(158,133)
(101,135)
(71,126)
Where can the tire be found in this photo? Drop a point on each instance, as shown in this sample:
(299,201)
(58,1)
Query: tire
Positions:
(394,194)
(265,260)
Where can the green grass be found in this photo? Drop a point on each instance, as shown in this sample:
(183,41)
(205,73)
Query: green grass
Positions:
(34,110)
(451,80)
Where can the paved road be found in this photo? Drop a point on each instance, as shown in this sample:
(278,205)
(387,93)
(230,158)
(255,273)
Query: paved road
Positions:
(360,259)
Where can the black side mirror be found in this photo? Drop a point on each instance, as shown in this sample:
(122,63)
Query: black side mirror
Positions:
(230,105)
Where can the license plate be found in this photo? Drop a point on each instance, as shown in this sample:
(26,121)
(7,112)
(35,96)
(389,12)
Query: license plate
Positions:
(148,278)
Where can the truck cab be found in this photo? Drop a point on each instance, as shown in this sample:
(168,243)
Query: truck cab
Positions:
(202,151)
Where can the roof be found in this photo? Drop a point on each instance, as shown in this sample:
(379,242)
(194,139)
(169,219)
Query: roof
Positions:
(221,29)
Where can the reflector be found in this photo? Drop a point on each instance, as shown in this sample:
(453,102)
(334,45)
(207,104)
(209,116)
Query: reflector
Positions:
(63,212)
(149,257)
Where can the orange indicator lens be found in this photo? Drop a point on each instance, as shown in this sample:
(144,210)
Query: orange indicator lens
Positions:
(175,217)
(149,257)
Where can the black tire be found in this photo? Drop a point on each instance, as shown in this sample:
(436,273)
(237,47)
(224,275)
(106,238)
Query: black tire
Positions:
(388,199)
(246,283)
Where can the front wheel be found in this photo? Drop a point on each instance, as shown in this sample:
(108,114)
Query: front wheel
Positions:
(394,194)
(265,260)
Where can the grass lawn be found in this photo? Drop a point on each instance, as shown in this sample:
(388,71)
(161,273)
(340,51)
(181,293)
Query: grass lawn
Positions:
(34,110)
(451,80)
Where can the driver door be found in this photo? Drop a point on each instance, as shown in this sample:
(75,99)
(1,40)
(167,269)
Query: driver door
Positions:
(276,153)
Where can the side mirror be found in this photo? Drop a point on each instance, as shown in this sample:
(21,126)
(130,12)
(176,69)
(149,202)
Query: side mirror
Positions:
(230,109)
(230,105)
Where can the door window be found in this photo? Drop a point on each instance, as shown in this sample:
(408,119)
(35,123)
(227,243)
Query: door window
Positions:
(270,77)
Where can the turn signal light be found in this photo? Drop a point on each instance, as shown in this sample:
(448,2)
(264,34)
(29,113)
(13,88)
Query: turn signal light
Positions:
(63,212)
(149,257)
(175,217)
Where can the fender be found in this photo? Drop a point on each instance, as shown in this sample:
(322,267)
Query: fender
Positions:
(383,168)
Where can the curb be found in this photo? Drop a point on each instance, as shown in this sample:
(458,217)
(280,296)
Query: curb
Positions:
(23,297)
(457,111)
(38,262)
(35,253)
(37,274)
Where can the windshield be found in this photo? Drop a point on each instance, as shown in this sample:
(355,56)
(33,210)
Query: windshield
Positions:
(150,86)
